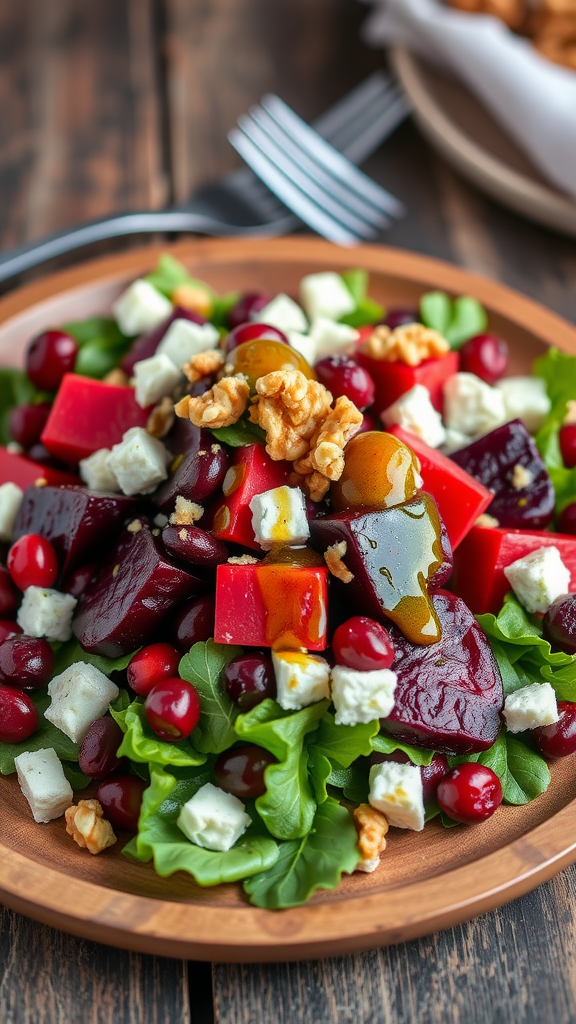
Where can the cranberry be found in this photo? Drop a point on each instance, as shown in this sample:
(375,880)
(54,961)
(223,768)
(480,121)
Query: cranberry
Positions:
(247,307)
(368,424)
(32,562)
(362,644)
(249,679)
(27,423)
(76,583)
(399,315)
(18,715)
(559,739)
(49,357)
(194,622)
(194,545)
(172,709)
(559,623)
(566,521)
(26,661)
(469,793)
(486,356)
(342,376)
(39,453)
(240,771)
(8,629)
(121,799)
(254,332)
(9,596)
(152,665)
(567,439)
(97,755)
(431,774)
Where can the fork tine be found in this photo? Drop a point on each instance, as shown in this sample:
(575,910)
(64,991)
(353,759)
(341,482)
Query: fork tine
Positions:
(346,110)
(361,137)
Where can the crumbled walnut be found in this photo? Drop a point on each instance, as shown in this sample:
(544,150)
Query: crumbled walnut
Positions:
(521,477)
(117,377)
(87,826)
(194,297)
(570,416)
(215,448)
(333,557)
(161,419)
(203,365)
(135,526)
(243,560)
(409,344)
(327,445)
(313,484)
(289,407)
(221,406)
(487,521)
(371,827)
(186,512)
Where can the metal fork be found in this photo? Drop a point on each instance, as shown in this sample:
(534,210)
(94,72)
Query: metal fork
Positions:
(316,181)
(239,204)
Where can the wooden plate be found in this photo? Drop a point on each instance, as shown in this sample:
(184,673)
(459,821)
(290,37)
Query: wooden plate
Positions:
(426,881)
(466,134)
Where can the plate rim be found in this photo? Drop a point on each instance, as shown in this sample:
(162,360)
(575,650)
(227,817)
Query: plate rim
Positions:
(355,923)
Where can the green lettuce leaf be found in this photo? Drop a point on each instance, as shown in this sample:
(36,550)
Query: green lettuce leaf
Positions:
(388,744)
(203,667)
(240,434)
(343,744)
(140,744)
(69,653)
(367,310)
(47,735)
(457,320)
(558,370)
(522,772)
(317,861)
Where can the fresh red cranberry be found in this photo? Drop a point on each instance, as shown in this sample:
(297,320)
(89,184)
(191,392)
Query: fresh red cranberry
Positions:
(9,596)
(152,665)
(486,356)
(559,623)
(559,739)
(8,629)
(27,423)
(567,439)
(368,423)
(121,799)
(254,332)
(18,715)
(469,793)
(249,679)
(76,583)
(172,709)
(194,622)
(49,357)
(97,755)
(431,774)
(240,771)
(362,644)
(26,662)
(194,545)
(32,562)
(400,315)
(247,308)
(566,521)
(343,376)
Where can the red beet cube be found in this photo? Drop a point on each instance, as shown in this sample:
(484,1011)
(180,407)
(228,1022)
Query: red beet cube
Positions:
(460,498)
(265,605)
(393,379)
(252,472)
(88,415)
(18,469)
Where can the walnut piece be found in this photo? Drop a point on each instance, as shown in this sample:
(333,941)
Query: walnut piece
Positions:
(88,827)
(116,377)
(186,512)
(243,560)
(371,827)
(161,419)
(570,415)
(409,344)
(333,557)
(221,406)
(194,297)
(203,365)
(521,477)
(289,408)
(487,521)
(327,444)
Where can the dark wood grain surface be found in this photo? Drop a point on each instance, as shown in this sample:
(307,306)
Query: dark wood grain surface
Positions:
(124,104)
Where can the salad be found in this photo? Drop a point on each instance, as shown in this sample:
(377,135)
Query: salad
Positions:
(280,577)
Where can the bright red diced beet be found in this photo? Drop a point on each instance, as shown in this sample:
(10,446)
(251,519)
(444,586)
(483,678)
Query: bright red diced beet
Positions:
(460,498)
(262,605)
(482,557)
(18,469)
(87,415)
(393,379)
(252,472)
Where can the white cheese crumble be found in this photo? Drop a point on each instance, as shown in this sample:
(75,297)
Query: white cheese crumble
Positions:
(325,294)
(185,339)
(154,378)
(285,314)
(96,473)
(43,783)
(301,679)
(538,579)
(10,500)
(279,517)
(138,462)
(396,790)
(362,696)
(330,338)
(140,308)
(471,406)
(80,695)
(213,819)
(414,412)
(526,399)
(46,613)
(530,707)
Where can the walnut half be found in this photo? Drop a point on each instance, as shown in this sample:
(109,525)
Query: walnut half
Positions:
(221,406)
(87,826)
(409,344)
(371,826)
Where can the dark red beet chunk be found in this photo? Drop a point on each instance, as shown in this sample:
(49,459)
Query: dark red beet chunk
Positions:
(199,467)
(194,545)
(79,524)
(493,460)
(449,695)
(133,593)
(146,345)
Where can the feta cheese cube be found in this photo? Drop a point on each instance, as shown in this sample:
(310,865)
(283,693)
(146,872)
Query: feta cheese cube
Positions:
(138,462)
(213,819)
(454,440)
(368,866)
(48,613)
(96,473)
(80,695)
(154,378)
(530,707)
(141,308)
(325,295)
(526,399)
(396,790)
(10,500)
(304,345)
(471,406)
(362,696)
(279,517)
(43,783)
(538,579)
(301,679)
(285,314)
(185,339)
(414,411)
(331,338)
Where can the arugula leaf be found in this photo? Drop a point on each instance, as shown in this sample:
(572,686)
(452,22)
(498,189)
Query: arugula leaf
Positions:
(357,786)
(240,434)
(317,861)
(522,772)
(15,389)
(47,735)
(344,743)
(71,652)
(140,744)
(320,772)
(203,667)
(456,321)
(75,777)
(388,744)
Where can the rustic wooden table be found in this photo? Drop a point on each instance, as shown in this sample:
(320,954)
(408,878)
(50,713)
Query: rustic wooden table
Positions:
(125,104)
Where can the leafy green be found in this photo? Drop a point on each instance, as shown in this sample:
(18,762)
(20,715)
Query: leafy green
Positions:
(456,320)
(96,328)
(240,434)
(221,308)
(522,772)
(344,743)
(47,735)
(203,667)
(75,777)
(388,744)
(15,389)
(102,345)
(367,310)
(436,311)
(558,370)
(71,652)
(140,744)
(288,805)
(316,861)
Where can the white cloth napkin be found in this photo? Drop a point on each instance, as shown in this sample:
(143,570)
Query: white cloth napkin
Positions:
(533,99)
